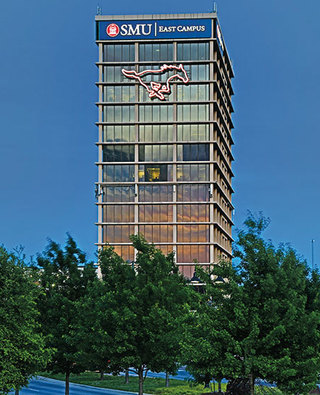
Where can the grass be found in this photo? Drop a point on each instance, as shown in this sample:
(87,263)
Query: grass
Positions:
(151,385)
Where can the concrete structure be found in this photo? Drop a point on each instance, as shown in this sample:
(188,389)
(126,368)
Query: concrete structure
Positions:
(164,145)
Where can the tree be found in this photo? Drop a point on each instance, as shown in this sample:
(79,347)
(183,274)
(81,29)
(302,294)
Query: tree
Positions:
(264,316)
(277,333)
(65,275)
(22,347)
(143,310)
(209,347)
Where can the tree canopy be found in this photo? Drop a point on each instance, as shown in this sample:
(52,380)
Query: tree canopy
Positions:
(22,347)
(65,275)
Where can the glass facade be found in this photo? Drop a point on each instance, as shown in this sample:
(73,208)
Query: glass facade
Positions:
(165,164)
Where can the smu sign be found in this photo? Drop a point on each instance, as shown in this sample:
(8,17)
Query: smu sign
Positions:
(161,29)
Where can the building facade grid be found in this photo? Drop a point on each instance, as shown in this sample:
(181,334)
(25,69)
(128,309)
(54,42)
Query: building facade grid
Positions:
(165,167)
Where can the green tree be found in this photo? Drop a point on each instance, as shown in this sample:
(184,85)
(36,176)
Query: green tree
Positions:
(276,332)
(65,275)
(144,310)
(22,347)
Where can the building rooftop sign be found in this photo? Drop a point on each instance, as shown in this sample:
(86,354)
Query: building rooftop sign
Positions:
(154,29)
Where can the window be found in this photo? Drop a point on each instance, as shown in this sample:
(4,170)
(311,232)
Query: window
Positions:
(193,233)
(193,152)
(193,193)
(156,52)
(192,172)
(118,93)
(117,233)
(155,193)
(193,213)
(189,253)
(193,133)
(157,233)
(117,193)
(155,153)
(193,112)
(126,252)
(118,53)
(118,153)
(156,213)
(118,114)
(115,173)
(114,74)
(144,95)
(118,213)
(155,172)
(155,113)
(192,92)
(197,72)
(118,133)
(154,133)
(193,51)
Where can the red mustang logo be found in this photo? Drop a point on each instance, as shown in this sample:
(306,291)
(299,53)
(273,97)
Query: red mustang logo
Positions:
(157,89)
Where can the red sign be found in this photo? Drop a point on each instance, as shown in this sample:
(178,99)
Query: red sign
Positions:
(157,89)
(112,30)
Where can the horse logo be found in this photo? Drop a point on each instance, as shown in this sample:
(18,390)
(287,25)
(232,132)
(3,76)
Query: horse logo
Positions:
(158,89)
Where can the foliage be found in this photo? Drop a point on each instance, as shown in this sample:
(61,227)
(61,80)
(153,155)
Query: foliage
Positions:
(151,385)
(262,321)
(143,309)
(63,282)
(22,348)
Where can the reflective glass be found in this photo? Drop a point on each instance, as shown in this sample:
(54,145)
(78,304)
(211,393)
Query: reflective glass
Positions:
(193,213)
(155,153)
(156,52)
(192,92)
(118,53)
(193,152)
(118,213)
(189,253)
(193,51)
(155,113)
(193,132)
(118,153)
(193,193)
(118,133)
(118,114)
(193,233)
(154,133)
(193,112)
(114,74)
(117,233)
(192,172)
(197,72)
(118,193)
(117,93)
(114,173)
(155,193)
(157,233)
(155,213)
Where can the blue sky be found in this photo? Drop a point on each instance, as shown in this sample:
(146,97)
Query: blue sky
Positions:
(47,115)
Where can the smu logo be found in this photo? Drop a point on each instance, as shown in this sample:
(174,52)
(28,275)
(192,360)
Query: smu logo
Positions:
(158,89)
(112,30)
(140,29)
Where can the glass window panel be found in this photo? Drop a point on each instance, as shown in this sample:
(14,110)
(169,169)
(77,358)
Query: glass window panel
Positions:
(154,133)
(155,213)
(117,233)
(155,193)
(155,173)
(126,252)
(118,114)
(118,153)
(193,51)
(156,52)
(189,253)
(157,233)
(118,133)
(114,173)
(118,53)
(118,213)
(194,192)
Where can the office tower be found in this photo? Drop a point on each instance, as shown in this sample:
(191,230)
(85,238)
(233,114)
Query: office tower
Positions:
(164,146)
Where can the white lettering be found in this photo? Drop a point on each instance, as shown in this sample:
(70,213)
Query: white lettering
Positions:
(143,29)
